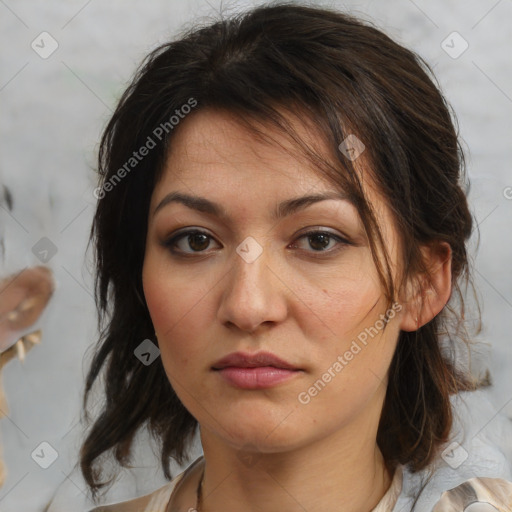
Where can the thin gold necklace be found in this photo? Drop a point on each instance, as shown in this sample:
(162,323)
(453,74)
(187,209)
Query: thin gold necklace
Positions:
(199,504)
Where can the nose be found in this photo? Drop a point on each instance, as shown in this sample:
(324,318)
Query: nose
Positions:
(254,294)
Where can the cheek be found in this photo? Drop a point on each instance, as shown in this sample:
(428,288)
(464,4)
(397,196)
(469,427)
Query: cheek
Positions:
(179,310)
(349,378)
(338,302)
(347,308)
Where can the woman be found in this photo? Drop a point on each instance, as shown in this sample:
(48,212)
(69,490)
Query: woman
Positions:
(281,243)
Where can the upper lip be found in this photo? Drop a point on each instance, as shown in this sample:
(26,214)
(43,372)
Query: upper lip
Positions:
(244,360)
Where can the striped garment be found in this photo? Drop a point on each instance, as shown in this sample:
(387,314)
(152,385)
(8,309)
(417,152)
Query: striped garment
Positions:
(474,495)
(477,495)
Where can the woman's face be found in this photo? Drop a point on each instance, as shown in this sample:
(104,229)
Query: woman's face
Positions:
(255,281)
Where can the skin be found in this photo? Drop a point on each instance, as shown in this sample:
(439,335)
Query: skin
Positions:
(302,304)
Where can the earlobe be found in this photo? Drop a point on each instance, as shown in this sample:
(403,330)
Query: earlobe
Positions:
(434,294)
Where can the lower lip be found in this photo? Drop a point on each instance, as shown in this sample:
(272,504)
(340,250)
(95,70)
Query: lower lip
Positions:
(256,378)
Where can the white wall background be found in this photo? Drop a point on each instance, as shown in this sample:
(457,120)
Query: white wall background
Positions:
(53,111)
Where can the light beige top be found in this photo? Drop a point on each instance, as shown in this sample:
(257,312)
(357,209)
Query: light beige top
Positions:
(474,495)
(165,499)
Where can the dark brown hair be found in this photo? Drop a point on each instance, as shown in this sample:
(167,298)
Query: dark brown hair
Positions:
(345,77)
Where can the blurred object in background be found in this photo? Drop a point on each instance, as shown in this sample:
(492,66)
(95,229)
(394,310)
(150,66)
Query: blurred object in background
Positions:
(23,297)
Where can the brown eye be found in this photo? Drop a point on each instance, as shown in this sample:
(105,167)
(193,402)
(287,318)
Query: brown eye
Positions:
(319,241)
(196,240)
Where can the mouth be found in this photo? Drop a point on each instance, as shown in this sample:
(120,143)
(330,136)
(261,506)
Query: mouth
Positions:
(258,360)
(255,371)
(258,377)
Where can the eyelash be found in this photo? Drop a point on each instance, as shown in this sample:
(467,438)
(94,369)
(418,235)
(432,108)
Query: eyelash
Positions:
(171,242)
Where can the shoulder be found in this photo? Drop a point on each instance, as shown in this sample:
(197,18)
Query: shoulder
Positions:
(474,464)
(155,501)
(440,493)
(477,495)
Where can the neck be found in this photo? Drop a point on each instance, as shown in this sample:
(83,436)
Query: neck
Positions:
(344,471)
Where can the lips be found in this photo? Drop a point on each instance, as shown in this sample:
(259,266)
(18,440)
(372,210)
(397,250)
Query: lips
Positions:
(244,360)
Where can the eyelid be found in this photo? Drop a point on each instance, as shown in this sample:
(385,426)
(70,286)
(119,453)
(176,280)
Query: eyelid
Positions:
(341,240)
(170,241)
(308,230)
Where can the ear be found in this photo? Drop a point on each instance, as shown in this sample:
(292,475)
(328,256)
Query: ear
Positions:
(435,295)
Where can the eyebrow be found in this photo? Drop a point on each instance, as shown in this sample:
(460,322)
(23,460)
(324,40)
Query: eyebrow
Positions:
(282,210)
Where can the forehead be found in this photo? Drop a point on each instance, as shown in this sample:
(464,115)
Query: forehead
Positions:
(213,154)
(209,142)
